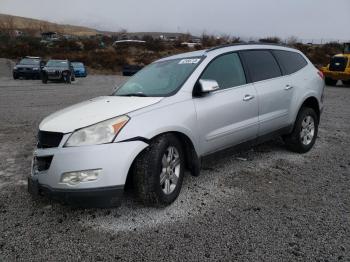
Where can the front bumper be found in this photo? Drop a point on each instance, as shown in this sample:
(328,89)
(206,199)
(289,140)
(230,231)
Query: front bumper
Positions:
(54,76)
(27,73)
(80,74)
(114,160)
(98,197)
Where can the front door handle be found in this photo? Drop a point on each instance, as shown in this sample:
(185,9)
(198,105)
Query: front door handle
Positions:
(288,87)
(248,97)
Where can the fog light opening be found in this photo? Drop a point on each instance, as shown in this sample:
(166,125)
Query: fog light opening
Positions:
(76,177)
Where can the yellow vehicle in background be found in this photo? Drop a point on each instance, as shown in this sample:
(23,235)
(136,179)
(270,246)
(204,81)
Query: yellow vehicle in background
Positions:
(338,68)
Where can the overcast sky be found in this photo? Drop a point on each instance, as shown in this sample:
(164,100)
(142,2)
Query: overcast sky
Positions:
(306,19)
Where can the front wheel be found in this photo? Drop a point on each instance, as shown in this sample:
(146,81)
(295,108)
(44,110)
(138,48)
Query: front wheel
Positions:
(159,171)
(305,131)
(44,79)
(330,81)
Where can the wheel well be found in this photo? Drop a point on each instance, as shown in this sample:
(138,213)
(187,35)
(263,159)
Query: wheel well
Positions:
(191,157)
(312,102)
(192,161)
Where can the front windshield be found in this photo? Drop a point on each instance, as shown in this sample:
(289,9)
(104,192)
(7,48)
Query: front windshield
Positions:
(160,78)
(29,61)
(57,63)
(78,65)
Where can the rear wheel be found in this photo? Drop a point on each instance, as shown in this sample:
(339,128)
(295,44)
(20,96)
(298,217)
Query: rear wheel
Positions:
(330,81)
(305,131)
(347,82)
(159,171)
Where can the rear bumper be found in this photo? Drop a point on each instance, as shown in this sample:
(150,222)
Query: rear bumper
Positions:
(336,75)
(96,197)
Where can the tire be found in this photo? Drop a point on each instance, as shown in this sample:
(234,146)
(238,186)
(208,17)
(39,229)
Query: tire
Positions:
(149,168)
(44,79)
(301,140)
(330,81)
(346,83)
(67,79)
(15,76)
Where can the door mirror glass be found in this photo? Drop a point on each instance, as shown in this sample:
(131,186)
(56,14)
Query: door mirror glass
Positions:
(208,85)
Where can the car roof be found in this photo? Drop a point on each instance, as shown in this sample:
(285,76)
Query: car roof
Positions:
(229,48)
(184,55)
(342,55)
(32,57)
(59,60)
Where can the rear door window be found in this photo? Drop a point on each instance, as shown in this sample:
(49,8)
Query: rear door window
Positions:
(227,70)
(290,62)
(261,65)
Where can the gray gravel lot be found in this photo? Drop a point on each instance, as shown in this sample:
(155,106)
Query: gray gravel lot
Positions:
(260,204)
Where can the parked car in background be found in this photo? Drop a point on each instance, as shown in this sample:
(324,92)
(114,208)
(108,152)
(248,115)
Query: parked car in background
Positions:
(28,67)
(79,69)
(58,70)
(130,70)
(170,115)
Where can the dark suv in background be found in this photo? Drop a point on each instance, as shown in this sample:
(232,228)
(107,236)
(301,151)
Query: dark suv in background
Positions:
(28,67)
(58,70)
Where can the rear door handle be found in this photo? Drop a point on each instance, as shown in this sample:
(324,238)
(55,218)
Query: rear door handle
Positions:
(288,87)
(248,97)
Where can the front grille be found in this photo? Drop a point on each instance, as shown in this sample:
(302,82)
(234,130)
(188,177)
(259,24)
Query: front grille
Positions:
(49,139)
(24,69)
(42,163)
(338,64)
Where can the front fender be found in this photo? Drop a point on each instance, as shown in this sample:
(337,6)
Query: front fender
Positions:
(178,117)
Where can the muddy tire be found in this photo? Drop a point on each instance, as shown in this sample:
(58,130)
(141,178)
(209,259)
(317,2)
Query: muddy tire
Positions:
(159,171)
(305,131)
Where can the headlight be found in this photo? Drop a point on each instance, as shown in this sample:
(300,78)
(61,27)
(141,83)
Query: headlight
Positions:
(100,133)
(15,67)
(35,68)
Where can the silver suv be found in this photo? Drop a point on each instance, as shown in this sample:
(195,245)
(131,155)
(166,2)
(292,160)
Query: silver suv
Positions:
(171,114)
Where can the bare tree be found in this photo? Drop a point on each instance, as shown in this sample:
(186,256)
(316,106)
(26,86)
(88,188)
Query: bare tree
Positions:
(292,40)
(7,25)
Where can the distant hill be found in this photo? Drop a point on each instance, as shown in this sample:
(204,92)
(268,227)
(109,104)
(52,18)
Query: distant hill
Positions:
(29,24)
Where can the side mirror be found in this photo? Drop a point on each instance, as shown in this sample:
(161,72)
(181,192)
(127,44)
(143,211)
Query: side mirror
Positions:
(207,85)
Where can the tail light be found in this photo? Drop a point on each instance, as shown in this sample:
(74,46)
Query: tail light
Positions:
(320,74)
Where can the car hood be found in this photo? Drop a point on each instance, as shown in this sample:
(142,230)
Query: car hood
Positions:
(93,111)
(27,66)
(55,68)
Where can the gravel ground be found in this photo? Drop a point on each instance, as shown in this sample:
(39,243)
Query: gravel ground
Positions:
(261,204)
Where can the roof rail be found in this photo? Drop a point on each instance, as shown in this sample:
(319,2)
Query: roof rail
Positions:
(243,43)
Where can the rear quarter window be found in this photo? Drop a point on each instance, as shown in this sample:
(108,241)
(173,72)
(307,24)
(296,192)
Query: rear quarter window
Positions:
(260,64)
(290,62)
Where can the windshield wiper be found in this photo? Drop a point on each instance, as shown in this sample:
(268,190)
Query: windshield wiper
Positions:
(134,94)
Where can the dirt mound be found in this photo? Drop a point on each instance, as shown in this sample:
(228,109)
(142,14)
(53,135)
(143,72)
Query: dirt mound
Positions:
(6,67)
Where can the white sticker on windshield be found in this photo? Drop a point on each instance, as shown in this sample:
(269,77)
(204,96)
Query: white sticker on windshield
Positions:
(189,61)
